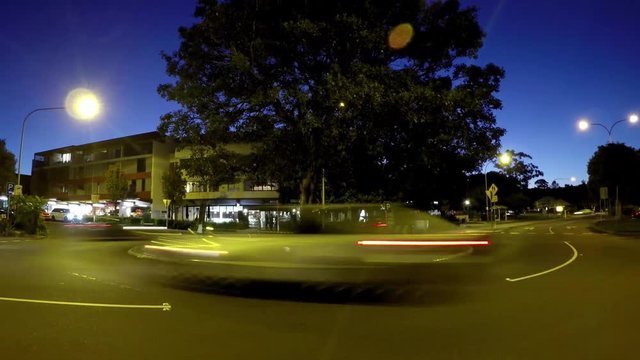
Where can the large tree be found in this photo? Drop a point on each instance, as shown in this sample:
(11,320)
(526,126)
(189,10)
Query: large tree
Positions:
(383,96)
(7,165)
(616,166)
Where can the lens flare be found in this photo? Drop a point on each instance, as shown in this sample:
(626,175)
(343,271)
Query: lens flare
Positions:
(400,36)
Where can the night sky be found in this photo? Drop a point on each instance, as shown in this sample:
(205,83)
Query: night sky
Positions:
(563,60)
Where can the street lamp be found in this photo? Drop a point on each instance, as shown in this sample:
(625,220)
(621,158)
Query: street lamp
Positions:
(80,103)
(584,124)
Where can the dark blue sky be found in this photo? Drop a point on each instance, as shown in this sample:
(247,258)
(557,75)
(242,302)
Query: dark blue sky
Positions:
(563,60)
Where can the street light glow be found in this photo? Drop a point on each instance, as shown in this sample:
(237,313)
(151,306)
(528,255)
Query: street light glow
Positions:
(505,158)
(583,125)
(573,179)
(633,118)
(82,104)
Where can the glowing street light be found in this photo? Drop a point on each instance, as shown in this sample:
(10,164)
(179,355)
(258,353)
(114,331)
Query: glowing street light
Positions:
(505,158)
(584,124)
(80,104)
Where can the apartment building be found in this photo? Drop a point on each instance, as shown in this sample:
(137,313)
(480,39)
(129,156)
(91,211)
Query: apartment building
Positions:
(74,173)
(223,204)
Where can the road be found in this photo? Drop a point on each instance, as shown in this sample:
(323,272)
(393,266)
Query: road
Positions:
(550,290)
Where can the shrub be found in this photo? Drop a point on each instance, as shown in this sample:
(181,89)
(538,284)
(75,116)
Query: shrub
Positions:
(28,209)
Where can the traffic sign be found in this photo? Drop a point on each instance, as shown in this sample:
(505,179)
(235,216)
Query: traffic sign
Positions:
(10,188)
(493,188)
(166,202)
(489,194)
(494,199)
(17,190)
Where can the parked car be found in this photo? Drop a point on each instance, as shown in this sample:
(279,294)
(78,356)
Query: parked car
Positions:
(45,215)
(60,214)
(635,214)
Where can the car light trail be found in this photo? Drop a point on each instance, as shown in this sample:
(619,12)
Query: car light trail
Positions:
(423,243)
(88,225)
(214,253)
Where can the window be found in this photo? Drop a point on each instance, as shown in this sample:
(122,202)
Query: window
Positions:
(269,187)
(141,165)
(193,186)
(143,186)
(66,157)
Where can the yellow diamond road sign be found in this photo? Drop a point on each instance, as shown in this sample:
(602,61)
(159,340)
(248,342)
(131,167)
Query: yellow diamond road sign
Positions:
(493,189)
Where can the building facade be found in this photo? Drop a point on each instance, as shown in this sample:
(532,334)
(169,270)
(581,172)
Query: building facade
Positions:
(226,202)
(73,174)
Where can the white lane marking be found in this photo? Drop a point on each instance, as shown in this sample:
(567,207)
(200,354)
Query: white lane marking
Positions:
(575,255)
(551,231)
(529,228)
(156,233)
(212,243)
(163,307)
(514,233)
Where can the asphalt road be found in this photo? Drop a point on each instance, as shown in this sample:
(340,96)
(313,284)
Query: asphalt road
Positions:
(547,290)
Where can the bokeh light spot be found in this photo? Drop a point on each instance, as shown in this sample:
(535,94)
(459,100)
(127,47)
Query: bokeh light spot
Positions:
(400,36)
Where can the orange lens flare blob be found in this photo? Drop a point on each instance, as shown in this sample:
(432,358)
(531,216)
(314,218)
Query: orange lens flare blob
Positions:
(400,36)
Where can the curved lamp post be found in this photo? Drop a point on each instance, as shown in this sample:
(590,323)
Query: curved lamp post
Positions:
(80,104)
(584,124)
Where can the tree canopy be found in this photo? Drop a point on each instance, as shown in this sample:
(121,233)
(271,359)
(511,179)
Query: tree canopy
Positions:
(116,183)
(7,165)
(520,169)
(173,186)
(384,96)
(616,165)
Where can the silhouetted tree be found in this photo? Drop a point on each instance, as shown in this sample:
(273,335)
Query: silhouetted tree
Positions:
(7,165)
(616,165)
(329,84)
(541,184)
(174,187)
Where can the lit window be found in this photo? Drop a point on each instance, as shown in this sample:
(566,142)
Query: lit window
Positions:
(66,157)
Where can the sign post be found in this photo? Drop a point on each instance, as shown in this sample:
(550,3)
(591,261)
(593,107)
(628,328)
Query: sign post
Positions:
(166,203)
(491,194)
(94,199)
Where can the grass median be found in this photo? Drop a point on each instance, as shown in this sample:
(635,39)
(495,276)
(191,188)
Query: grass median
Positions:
(621,226)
